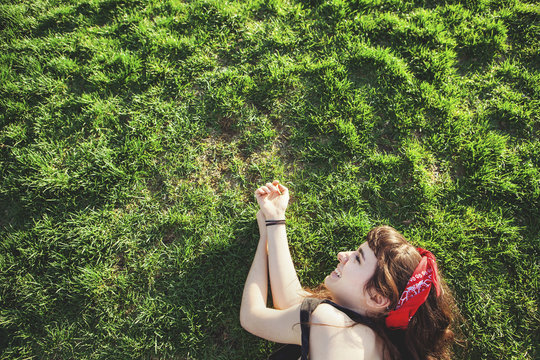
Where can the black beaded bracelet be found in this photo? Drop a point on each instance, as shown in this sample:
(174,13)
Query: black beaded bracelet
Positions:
(275,222)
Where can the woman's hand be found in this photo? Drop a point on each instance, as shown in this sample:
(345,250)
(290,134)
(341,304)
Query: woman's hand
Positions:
(273,200)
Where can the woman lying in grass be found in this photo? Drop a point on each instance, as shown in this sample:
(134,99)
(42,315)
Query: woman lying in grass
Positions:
(384,300)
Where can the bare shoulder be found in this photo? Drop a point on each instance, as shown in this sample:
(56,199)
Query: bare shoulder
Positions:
(335,336)
(329,315)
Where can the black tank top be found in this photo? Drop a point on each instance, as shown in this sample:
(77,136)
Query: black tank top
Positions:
(294,352)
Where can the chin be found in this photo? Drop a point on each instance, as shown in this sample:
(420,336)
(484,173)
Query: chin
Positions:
(328,282)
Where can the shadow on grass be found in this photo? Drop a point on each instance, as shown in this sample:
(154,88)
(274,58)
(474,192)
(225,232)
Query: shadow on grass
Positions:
(66,19)
(203,296)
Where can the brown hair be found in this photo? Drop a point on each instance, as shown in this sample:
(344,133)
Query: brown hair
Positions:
(429,335)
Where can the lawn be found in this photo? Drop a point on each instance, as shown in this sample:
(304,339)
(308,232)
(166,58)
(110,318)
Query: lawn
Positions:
(133,134)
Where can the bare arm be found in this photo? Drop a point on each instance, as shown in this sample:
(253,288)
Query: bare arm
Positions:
(286,288)
(256,286)
(255,316)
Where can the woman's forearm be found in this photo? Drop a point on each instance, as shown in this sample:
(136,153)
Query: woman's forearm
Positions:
(286,288)
(256,286)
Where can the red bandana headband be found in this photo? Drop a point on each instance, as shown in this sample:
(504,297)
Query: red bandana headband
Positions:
(416,291)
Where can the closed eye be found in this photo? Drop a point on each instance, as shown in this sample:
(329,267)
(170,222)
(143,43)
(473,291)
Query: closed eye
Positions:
(360,252)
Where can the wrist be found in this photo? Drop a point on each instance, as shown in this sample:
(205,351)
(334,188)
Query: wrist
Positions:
(271,230)
(275,222)
(275,216)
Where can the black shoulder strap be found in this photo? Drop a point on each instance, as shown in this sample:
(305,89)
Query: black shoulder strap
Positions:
(356,317)
(307,307)
(286,352)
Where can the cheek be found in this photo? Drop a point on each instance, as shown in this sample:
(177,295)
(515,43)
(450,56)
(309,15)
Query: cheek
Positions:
(360,279)
(355,279)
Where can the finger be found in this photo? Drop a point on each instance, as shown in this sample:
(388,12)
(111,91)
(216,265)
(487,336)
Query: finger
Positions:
(282,188)
(262,192)
(276,184)
(272,187)
(275,189)
(266,189)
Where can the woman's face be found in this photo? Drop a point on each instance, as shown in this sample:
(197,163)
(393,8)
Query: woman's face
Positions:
(347,282)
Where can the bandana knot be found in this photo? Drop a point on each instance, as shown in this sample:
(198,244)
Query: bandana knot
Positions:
(416,292)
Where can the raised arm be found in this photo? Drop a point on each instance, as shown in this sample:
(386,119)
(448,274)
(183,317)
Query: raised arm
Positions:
(255,316)
(286,288)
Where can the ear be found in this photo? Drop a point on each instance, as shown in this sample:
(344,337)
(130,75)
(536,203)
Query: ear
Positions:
(378,302)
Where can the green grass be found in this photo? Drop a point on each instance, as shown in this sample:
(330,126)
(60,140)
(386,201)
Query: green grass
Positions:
(133,134)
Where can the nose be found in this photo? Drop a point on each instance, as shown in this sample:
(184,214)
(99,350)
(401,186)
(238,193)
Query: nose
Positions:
(343,257)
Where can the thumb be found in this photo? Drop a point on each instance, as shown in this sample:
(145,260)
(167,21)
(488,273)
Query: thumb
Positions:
(282,189)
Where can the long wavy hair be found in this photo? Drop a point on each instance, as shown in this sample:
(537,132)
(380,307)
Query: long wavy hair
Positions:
(431,332)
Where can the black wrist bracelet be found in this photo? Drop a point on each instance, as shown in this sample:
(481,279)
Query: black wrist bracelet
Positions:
(275,222)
